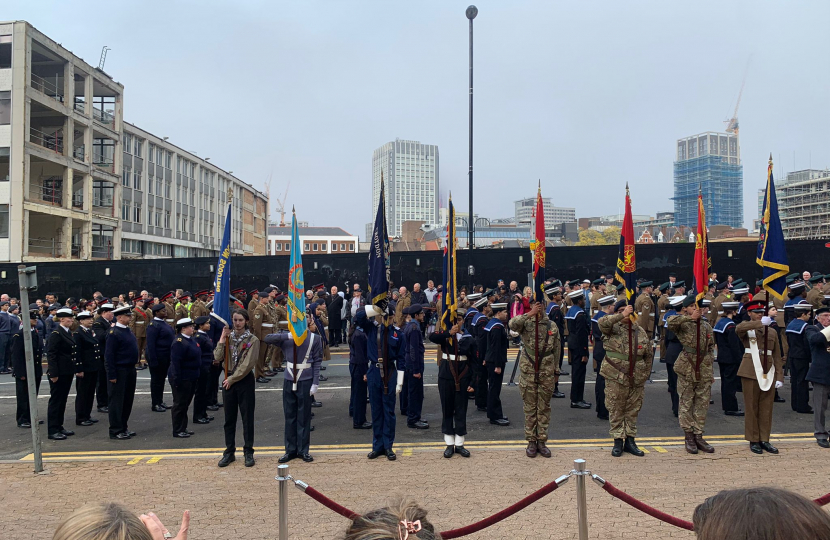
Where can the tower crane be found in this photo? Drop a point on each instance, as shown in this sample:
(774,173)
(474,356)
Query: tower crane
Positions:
(732,125)
(281,205)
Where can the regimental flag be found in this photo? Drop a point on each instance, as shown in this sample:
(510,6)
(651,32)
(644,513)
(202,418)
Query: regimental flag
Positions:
(449,301)
(538,247)
(772,254)
(297,323)
(222,281)
(379,256)
(703,262)
(626,261)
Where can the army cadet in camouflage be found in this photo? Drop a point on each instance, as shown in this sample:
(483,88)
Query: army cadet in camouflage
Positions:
(695,371)
(539,364)
(626,369)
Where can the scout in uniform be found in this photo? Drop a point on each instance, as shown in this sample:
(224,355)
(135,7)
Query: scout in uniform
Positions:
(496,361)
(730,353)
(120,355)
(578,325)
(606,307)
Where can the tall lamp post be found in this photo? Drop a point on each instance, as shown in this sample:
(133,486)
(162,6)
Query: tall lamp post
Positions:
(471,13)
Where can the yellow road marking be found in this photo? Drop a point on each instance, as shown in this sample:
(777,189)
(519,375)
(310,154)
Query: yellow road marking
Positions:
(660,449)
(154,459)
(407,452)
(645,451)
(135,460)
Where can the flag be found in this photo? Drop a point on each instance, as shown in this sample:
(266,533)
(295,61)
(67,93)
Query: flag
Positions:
(772,254)
(379,256)
(626,262)
(703,263)
(222,281)
(449,303)
(538,247)
(297,323)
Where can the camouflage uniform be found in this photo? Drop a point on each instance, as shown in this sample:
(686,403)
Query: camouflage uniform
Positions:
(537,393)
(624,383)
(694,383)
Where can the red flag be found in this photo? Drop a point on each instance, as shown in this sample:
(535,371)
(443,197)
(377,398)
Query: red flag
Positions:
(538,247)
(626,260)
(702,261)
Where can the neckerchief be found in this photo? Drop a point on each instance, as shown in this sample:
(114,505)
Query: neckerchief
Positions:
(236,341)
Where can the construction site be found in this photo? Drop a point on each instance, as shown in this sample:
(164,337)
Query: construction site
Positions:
(804,204)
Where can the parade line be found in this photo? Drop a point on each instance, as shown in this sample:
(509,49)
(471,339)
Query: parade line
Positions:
(647,444)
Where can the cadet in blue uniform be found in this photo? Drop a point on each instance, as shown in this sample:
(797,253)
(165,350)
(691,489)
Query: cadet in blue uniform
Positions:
(673,350)
(18,358)
(358,366)
(120,358)
(160,337)
(578,348)
(797,292)
(606,307)
(200,398)
(62,362)
(818,336)
(185,364)
(730,354)
(414,366)
(477,324)
(554,312)
(90,361)
(799,357)
(214,333)
(101,328)
(496,361)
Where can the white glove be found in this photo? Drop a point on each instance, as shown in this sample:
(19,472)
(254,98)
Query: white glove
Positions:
(766,321)
(778,384)
(314,388)
(399,386)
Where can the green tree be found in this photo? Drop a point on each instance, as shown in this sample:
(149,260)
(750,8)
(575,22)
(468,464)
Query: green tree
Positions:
(590,237)
(611,235)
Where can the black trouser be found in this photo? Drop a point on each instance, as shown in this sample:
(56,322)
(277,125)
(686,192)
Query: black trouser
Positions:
(599,391)
(85,395)
(357,400)
(213,384)
(675,400)
(4,346)
(182,396)
(59,392)
(481,385)
(404,396)
(728,386)
(494,380)
(334,334)
(415,388)
(121,394)
(798,382)
(200,398)
(21,390)
(102,394)
(158,374)
(240,398)
(453,406)
(297,409)
(578,370)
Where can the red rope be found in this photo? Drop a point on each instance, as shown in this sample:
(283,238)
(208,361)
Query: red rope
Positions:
(643,507)
(330,504)
(822,501)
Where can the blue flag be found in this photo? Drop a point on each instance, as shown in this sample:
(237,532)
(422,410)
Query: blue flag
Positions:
(222,281)
(449,302)
(772,254)
(379,256)
(297,323)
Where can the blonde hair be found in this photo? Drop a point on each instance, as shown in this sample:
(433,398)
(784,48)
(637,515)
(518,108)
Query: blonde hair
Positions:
(382,524)
(102,521)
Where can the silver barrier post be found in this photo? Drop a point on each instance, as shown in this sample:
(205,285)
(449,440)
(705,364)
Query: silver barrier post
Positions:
(581,498)
(283,478)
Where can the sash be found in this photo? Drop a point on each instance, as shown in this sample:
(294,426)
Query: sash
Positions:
(765,380)
(298,368)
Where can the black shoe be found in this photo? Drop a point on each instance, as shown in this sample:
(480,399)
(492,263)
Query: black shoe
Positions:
(564,373)
(364,425)
(322,368)
(263,380)
(220,405)
(28,425)
(201,421)
(130,433)
(209,418)
(824,443)
(307,458)
(581,405)
(374,454)
(189,432)
(420,424)
(316,404)
(403,413)
(280,370)
(212,408)
(390,455)
(463,451)
(618,448)
(449,451)
(84,423)
(733,413)
(182,435)
(323,377)
(57,436)
(67,432)
(311,428)
(559,395)
(159,408)
(504,422)
(121,436)
(755,448)
(767,447)
(165,405)
(142,366)
(226,460)
(249,460)
(270,373)
(286,458)
(103,409)
(602,416)
(481,409)
(809,411)
(779,399)
(631,447)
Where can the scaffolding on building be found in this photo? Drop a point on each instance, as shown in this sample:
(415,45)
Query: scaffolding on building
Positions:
(721,183)
(804,208)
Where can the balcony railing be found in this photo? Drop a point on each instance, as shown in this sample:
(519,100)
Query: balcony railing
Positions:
(76,251)
(44,247)
(102,252)
(79,152)
(78,201)
(103,161)
(50,87)
(47,190)
(106,118)
(80,105)
(52,141)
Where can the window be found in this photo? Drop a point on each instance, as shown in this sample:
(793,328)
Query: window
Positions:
(323,247)
(125,210)
(159,156)
(125,176)
(150,217)
(4,220)
(5,52)
(277,246)
(314,246)
(306,248)
(333,246)
(158,219)
(102,193)
(137,213)
(342,247)
(5,170)
(192,226)
(5,108)
(184,224)
(167,219)
(137,148)
(150,151)
(351,247)
(136,180)
(127,143)
(168,158)
(150,182)
(288,246)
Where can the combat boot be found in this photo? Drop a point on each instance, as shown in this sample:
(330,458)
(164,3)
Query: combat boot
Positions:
(543,449)
(691,446)
(531,449)
(618,448)
(632,448)
(703,445)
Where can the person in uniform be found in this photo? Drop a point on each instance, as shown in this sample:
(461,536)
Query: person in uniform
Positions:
(101,328)
(201,396)
(138,326)
(199,306)
(280,315)
(730,353)
(185,363)
(237,351)
(169,300)
(644,308)
(695,371)
(553,309)
(183,307)
(818,336)
(816,297)
(160,339)
(90,360)
(496,361)
(598,286)
(799,357)
(120,355)
(414,367)
(539,374)
(477,322)
(18,359)
(62,366)
(300,383)
(253,294)
(578,324)
(662,308)
(358,366)
(673,347)
(761,373)
(262,324)
(605,307)
(715,309)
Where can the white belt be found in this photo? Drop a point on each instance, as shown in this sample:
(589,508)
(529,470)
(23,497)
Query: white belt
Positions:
(749,351)
(640,313)
(139,322)
(325,327)
(267,325)
(169,320)
(304,365)
(460,358)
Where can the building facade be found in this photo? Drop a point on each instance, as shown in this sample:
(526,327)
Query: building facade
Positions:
(710,162)
(315,240)
(410,174)
(554,215)
(804,204)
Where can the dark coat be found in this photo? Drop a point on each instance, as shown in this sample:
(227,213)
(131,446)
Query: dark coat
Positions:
(334,309)
(730,348)
(160,337)
(466,346)
(90,354)
(60,354)
(819,371)
(497,343)
(206,347)
(414,352)
(18,355)
(185,360)
(121,350)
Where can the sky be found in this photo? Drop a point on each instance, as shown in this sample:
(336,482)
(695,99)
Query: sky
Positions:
(582,96)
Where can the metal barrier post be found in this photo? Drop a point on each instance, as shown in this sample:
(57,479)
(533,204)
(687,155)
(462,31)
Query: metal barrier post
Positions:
(283,478)
(581,499)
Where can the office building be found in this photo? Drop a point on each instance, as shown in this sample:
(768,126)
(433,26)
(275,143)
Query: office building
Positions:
(410,175)
(804,204)
(710,161)
(315,240)
(554,215)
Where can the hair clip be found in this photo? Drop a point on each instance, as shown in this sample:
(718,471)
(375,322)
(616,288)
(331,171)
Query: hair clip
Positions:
(405,527)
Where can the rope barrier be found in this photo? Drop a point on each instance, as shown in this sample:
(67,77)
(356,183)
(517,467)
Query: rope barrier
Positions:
(330,504)
(823,501)
(643,507)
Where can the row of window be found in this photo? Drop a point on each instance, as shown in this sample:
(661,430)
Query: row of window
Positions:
(311,246)
(140,247)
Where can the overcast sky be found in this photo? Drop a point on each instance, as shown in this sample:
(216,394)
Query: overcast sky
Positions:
(582,95)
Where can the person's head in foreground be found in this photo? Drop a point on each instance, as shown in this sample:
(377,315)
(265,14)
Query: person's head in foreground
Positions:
(762,513)
(403,520)
(111,521)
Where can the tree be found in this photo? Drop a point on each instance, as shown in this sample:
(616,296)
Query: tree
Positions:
(611,235)
(590,237)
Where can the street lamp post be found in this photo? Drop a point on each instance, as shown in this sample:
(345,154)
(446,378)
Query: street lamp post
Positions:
(471,13)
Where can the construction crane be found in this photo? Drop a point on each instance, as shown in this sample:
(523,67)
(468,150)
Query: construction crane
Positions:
(732,125)
(281,204)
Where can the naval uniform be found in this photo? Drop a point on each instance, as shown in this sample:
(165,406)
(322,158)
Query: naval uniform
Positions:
(495,357)
(358,366)
(62,361)
(91,361)
(481,375)
(577,350)
(798,357)
(160,339)
(599,356)
(730,354)
(413,365)
(101,328)
(21,385)
(819,375)
(120,357)
(200,399)
(673,350)
(454,376)
(185,364)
